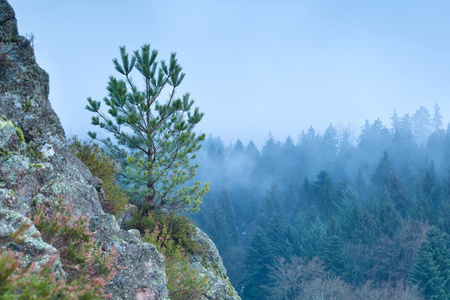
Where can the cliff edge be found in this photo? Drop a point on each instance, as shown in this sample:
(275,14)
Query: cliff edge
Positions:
(37,167)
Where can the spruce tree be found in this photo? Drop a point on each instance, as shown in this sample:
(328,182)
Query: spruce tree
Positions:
(395,189)
(153,137)
(437,117)
(431,271)
(432,190)
(422,125)
(325,199)
(383,173)
(333,255)
(259,255)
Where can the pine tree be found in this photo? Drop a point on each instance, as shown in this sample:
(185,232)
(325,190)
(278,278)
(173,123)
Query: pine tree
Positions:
(437,118)
(306,195)
(310,235)
(251,151)
(333,255)
(154,139)
(383,173)
(226,205)
(325,199)
(259,255)
(219,229)
(422,125)
(395,122)
(433,191)
(387,220)
(238,148)
(329,144)
(395,189)
(374,137)
(360,186)
(431,271)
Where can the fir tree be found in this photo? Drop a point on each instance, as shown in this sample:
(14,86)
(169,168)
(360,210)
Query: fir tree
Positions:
(360,186)
(437,118)
(433,192)
(431,271)
(226,205)
(154,139)
(219,229)
(395,189)
(259,256)
(329,144)
(422,125)
(333,256)
(383,173)
(324,195)
(374,137)
(251,151)
(395,122)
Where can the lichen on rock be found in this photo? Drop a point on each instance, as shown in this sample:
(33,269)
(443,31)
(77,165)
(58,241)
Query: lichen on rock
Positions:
(209,263)
(30,242)
(37,167)
(142,275)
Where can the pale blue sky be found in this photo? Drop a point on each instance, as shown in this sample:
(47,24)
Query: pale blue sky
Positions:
(253,66)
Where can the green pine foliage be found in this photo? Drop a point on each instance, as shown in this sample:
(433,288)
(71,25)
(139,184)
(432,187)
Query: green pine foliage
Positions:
(153,137)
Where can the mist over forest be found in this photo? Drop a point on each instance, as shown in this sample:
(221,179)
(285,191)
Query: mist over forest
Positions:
(327,214)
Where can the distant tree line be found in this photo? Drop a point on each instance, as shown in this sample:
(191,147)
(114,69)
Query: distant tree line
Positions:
(328,214)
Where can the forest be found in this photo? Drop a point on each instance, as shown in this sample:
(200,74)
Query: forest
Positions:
(334,215)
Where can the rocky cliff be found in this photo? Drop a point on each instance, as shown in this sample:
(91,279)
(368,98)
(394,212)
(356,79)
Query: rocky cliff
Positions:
(36,166)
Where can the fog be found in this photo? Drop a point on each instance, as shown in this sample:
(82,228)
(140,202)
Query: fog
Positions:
(327,130)
(253,67)
(296,196)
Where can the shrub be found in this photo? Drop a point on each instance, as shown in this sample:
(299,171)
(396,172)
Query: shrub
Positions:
(80,254)
(106,169)
(171,227)
(172,234)
(18,281)
(184,283)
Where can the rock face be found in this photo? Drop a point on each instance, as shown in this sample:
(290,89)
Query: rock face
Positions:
(210,265)
(24,89)
(36,165)
(143,274)
(33,246)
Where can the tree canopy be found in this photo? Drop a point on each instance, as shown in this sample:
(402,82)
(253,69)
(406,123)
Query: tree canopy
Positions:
(153,138)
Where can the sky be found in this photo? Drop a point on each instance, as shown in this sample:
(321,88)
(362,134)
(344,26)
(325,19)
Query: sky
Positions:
(253,67)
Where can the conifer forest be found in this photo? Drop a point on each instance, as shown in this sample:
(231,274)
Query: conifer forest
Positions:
(337,214)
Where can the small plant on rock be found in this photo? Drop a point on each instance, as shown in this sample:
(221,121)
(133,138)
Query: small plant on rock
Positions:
(22,283)
(80,254)
(106,169)
(178,229)
(184,282)
(28,281)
